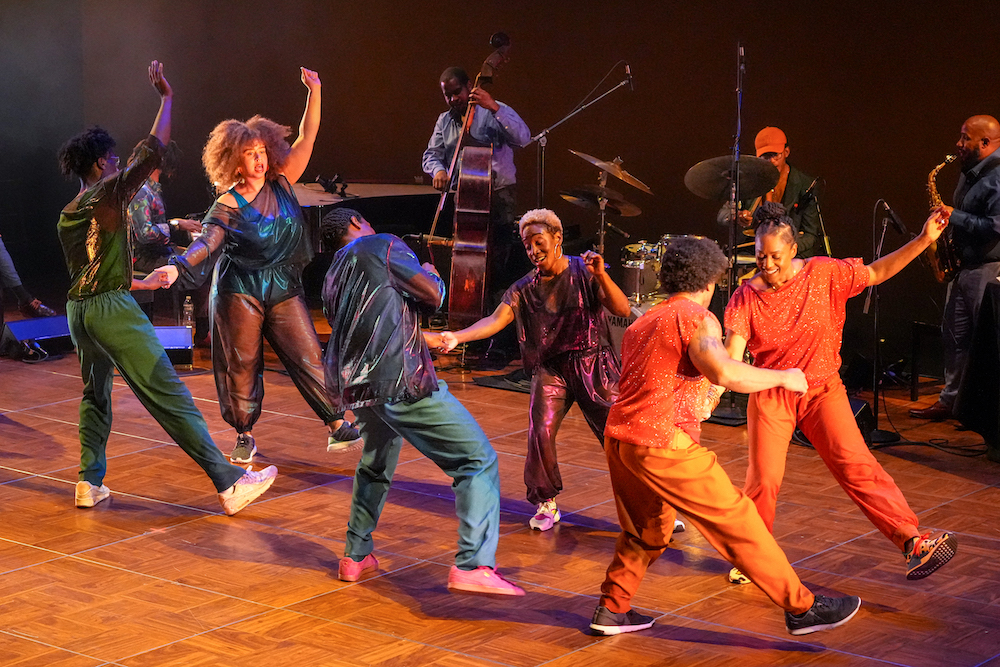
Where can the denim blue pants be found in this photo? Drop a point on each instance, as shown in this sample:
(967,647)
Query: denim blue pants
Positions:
(110,331)
(441,429)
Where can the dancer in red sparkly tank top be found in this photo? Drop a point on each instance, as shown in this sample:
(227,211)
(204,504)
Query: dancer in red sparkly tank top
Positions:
(791,315)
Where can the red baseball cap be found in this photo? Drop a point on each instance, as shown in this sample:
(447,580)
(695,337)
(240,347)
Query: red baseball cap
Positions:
(770,140)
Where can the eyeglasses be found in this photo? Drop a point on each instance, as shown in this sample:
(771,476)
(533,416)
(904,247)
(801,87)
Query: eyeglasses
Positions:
(114,160)
(769,156)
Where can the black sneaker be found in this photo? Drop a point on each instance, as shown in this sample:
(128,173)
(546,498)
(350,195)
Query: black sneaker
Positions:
(928,554)
(825,614)
(244,450)
(606,622)
(344,439)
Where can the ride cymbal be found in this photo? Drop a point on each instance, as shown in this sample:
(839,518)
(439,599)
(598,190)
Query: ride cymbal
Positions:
(712,179)
(590,196)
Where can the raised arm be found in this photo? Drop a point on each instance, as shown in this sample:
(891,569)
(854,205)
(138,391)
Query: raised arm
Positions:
(709,356)
(886,267)
(298,157)
(161,126)
(484,328)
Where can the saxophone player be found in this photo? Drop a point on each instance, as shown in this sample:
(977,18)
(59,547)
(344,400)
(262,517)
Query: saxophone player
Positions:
(975,229)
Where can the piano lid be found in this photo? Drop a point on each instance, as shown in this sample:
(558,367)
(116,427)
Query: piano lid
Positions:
(313,194)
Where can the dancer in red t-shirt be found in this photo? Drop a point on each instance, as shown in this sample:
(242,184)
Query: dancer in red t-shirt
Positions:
(791,315)
(670,358)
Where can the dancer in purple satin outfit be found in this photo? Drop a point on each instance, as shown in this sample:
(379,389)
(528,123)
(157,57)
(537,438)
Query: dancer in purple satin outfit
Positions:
(558,309)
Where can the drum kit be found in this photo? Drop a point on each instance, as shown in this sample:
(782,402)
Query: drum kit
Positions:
(710,179)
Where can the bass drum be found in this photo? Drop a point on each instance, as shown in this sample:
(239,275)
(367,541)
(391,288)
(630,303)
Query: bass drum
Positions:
(617,325)
(641,265)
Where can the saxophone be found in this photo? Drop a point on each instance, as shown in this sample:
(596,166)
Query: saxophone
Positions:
(941,255)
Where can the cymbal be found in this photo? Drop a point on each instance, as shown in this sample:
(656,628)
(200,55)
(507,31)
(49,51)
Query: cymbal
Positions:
(589,197)
(712,179)
(615,169)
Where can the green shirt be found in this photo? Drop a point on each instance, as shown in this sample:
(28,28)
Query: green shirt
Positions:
(94,231)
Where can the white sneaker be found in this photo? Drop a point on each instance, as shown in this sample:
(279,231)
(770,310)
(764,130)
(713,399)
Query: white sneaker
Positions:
(88,495)
(679,526)
(247,489)
(737,577)
(546,515)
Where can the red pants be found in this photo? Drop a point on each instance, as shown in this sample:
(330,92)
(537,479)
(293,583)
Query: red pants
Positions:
(650,482)
(825,417)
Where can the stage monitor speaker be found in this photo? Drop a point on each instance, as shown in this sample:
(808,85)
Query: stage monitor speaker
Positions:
(862,416)
(35,339)
(179,344)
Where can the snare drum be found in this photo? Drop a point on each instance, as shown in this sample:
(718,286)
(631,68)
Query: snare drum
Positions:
(641,265)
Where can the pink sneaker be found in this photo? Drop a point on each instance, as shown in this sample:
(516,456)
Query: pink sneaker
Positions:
(481,580)
(351,570)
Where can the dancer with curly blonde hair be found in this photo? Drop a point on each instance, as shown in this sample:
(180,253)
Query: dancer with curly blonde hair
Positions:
(256,225)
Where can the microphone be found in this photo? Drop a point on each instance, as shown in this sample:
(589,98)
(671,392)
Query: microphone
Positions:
(618,230)
(807,195)
(628,75)
(896,222)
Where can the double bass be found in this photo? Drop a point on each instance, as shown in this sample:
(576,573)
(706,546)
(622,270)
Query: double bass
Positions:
(474,192)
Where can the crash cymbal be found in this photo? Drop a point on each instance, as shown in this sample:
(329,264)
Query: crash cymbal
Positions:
(589,197)
(615,169)
(712,179)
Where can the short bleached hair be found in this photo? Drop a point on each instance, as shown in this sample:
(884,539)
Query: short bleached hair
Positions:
(223,153)
(540,216)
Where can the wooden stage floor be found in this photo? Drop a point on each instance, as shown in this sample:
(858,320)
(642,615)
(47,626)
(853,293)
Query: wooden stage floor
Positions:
(158,576)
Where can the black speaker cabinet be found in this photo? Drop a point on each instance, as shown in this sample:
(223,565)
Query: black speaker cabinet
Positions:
(36,338)
(179,344)
(862,415)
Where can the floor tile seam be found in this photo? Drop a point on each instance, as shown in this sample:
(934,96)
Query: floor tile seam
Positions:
(787,639)
(35,640)
(357,626)
(164,580)
(75,399)
(987,660)
(197,634)
(902,586)
(77,423)
(135,495)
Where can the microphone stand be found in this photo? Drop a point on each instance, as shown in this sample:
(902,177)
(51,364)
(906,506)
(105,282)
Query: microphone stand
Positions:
(732,414)
(543,137)
(878,435)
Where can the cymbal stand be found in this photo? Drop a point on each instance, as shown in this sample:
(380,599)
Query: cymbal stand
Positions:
(602,225)
(542,137)
(732,414)
(878,436)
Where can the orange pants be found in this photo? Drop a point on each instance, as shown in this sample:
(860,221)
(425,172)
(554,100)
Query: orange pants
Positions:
(825,417)
(650,483)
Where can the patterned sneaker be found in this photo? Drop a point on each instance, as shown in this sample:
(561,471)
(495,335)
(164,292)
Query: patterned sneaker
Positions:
(546,515)
(36,308)
(481,580)
(88,495)
(344,439)
(737,577)
(351,570)
(825,614)
(927,555)
(244,450)
(249,487)
(606,622)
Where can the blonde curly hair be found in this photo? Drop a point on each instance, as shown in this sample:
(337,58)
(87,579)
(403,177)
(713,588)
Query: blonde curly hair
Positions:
(223,152)
(540,216)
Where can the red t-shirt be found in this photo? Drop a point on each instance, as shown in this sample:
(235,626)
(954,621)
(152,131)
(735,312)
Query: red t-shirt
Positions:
(660,389)
(801,324)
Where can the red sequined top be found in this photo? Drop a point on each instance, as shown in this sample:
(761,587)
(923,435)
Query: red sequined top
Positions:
(660,389)
(801,324)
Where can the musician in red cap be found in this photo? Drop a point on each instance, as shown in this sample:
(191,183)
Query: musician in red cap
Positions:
(795,190)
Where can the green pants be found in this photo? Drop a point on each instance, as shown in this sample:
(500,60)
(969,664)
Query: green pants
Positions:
(110,331)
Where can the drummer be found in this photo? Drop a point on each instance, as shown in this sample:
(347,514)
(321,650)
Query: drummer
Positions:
(792,191)
(558,309)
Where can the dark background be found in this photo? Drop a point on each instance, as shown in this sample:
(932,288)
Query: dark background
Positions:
(871,98)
